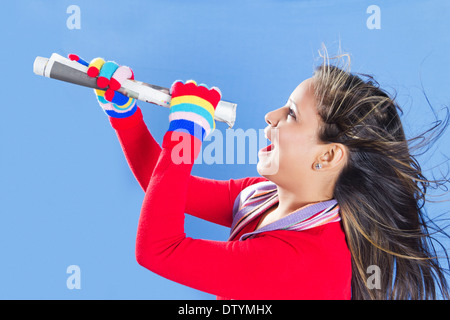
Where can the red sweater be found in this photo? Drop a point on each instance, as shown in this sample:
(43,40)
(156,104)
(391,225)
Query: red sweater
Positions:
(311,264)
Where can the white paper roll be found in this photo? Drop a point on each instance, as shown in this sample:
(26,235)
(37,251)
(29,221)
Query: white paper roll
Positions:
(60,68)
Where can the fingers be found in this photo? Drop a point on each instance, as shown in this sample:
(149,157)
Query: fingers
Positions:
(106,72)
(110,96)
(113,75)
(94,67)
(122,73)
(195,103)
(110,77)
(116,97)
(212,95)
(109,73)
(76,58)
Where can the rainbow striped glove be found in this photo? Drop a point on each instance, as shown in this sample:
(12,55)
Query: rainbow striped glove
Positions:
(110,76)
(191,118)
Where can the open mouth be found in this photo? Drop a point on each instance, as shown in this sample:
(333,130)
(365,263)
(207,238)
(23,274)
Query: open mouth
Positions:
(269,132)
(269,148)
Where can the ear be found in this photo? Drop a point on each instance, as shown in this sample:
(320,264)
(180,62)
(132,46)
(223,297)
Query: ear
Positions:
(334,156)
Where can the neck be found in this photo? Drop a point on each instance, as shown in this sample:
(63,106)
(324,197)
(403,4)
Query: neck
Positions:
(289,201)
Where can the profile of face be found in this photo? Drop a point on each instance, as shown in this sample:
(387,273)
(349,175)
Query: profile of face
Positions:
(295,148)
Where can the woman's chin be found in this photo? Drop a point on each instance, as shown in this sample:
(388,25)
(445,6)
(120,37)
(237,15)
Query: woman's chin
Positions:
(268,163)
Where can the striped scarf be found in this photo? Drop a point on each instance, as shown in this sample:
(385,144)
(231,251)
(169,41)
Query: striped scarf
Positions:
(254,200)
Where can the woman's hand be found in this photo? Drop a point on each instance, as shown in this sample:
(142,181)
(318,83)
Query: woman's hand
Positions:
(191,117)
(110,76)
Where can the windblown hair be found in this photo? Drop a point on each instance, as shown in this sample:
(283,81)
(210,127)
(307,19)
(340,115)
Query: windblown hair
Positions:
(381,190)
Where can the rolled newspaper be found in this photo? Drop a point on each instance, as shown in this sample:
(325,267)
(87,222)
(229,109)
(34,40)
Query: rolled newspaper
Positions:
(61,68)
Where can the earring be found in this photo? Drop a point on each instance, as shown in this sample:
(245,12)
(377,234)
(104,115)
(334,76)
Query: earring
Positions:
(318,166)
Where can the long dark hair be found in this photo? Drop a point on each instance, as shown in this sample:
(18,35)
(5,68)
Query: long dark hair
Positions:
(382,190)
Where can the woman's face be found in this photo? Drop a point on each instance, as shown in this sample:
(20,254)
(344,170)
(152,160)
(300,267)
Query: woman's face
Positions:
(293,131)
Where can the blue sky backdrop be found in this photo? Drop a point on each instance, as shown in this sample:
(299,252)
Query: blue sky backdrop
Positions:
(67,196)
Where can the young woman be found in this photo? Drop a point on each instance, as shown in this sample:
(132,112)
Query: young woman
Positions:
(345,196)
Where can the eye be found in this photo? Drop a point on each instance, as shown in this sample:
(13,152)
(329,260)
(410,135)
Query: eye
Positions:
(292,113)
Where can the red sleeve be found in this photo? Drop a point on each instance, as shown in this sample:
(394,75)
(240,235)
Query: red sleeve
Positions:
(208,199)
(162,245)
(265,267)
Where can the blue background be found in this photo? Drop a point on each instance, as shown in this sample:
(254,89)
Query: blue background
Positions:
(67,196)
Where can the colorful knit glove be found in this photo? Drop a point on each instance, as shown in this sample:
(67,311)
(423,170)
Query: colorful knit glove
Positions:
(110,76)
(191,117)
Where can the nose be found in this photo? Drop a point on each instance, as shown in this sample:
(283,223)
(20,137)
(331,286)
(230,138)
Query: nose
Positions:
(272,118)
(267,119)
